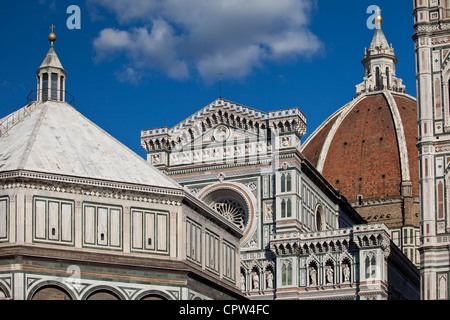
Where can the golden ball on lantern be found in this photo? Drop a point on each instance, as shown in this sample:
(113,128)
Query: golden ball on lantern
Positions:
(378,20)
(52,37)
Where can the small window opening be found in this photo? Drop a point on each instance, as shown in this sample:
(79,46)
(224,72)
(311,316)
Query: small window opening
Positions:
(360,199)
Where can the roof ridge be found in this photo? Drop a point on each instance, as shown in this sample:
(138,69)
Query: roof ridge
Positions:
(126,148)
(59,139)
(33,136)
(8,122)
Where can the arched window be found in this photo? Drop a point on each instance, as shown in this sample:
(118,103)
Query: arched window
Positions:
(289,208)
(54,89)
(377,78)
(286,182)
(387,77)
(61,86)
(286,208)
(45,87)
(286,273)
(39,88)
(371,263)
(231,205)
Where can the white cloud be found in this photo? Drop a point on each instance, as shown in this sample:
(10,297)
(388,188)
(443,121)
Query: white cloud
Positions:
(181,37)
(155,50)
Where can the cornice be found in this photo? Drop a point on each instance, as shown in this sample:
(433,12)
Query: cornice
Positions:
(85,186)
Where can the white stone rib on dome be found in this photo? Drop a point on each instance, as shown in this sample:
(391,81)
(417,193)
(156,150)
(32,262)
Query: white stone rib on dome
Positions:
(340,117)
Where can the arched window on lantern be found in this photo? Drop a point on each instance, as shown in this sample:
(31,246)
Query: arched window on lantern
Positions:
(387,78)
(377,78)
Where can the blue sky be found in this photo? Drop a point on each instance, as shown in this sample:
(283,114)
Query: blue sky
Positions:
(143,64)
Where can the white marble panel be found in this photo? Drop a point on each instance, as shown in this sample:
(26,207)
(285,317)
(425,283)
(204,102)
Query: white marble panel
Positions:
(53,220)
(66,222)
(137,229)
(3,218)
(89,225)
(115,227)
(162,232)
(150,231)
(102,226)
(40,219)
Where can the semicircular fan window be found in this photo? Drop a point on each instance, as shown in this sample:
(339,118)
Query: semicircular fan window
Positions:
(231,210)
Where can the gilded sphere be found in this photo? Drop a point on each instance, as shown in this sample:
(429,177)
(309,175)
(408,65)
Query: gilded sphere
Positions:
(378,20)
(52,37)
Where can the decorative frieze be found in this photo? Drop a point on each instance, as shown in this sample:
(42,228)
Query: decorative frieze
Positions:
(292,243)
(85,182)
(91,192)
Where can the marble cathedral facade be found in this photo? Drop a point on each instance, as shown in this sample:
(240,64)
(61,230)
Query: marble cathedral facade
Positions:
(225,207)
(301,238)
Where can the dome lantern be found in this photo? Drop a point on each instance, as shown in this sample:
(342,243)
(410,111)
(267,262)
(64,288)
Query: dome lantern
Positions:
(51,76)
(379,64)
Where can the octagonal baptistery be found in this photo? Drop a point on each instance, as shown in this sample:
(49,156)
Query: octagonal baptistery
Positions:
(367,149)
(82,217)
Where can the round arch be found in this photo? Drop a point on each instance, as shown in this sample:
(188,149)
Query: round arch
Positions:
(153,295)
(103,293)
(4,292)
(233,192)
(51,290)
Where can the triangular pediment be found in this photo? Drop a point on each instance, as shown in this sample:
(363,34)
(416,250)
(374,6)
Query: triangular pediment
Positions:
(219,135)
(244,121)
(224,132)
(202,124)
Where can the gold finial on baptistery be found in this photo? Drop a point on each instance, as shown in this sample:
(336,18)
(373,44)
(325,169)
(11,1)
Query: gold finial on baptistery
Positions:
(52,36)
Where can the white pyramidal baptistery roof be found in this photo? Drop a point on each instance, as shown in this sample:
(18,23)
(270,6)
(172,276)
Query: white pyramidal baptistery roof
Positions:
(51,136)
(55,138)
